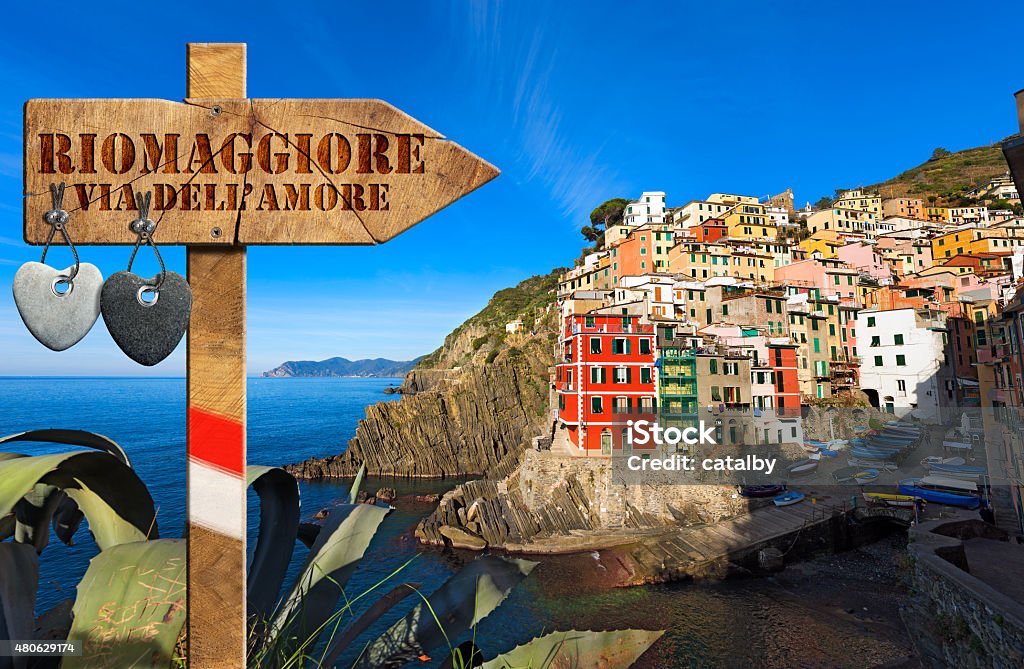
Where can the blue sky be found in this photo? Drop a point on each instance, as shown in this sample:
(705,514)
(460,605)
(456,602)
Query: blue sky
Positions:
(576,102)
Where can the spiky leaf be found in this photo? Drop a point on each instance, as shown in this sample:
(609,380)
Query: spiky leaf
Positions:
(108,492)
(340,545)
(353,493)
(19,578)
(279,524)
(579,650)
(460,603)
(130,606)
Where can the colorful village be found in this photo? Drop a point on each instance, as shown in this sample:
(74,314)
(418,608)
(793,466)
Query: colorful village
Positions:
(746,312)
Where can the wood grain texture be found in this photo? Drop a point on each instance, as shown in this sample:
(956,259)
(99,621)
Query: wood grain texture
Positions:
(217,395)
(215,70)
(237,171)
(216,568)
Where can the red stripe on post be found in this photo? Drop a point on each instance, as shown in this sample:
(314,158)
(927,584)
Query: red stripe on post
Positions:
(216,440)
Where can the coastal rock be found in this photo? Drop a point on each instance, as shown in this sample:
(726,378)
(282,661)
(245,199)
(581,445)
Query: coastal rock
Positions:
(461,538)
(472,420)
(387,495)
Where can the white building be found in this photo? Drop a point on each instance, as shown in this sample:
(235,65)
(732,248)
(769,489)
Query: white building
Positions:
(778,216)
(904,368)
(965,215)
(650,208)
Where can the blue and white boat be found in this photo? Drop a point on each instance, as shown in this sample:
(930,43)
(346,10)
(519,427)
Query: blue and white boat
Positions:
(943,490)
(789,497)
(965,472)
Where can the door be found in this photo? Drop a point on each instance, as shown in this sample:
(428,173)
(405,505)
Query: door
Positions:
(606,442)
(627,447)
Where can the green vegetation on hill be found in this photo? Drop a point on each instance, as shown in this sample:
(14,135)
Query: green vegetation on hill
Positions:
(524,301)
(946,176)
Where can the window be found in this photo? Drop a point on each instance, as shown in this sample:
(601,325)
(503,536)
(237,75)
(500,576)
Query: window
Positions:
(561,402)
(878,361)
(595,404)
(716,394)
(589,321)
(832,329)
(645,375)
(622,405)
(898,340)
(768,305)
(595,344)
(876,341)
(623,375)
(817,345)
(645,346)
(901,361)
(598,375)
(713,365)
(725,309)
(901,385)
(620,346)
(871,321)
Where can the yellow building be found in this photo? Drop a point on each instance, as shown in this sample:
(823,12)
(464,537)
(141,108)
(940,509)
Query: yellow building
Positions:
(699,260)
(749,221)
(858,200)
(937,214)
(841,219)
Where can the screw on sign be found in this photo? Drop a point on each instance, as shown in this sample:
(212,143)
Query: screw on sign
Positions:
(226,172)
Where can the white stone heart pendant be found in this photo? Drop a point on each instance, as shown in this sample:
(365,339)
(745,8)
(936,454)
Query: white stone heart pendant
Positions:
(57,311)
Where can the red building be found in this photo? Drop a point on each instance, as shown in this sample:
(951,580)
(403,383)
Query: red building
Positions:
(606,377)
(782,358)
(711,230)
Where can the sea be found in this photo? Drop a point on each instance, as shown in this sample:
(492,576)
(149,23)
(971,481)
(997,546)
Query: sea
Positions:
(826,612)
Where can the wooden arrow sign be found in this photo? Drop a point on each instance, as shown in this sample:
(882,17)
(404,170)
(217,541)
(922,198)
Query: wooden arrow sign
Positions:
(239,171)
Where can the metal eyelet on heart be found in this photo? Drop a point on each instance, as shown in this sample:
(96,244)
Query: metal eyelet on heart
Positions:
(58,319)
(146,330)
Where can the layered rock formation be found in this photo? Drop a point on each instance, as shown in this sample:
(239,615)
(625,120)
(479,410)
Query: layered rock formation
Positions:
(469,409)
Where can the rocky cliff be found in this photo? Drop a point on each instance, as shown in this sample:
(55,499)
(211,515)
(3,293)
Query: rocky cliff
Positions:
(469,408)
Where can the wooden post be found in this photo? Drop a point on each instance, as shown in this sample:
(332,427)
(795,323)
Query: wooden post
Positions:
(216,412)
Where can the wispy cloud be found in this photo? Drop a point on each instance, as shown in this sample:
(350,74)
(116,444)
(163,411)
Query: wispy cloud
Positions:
(520,74)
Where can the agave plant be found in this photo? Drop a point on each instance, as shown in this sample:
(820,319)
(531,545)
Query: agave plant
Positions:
(130,608)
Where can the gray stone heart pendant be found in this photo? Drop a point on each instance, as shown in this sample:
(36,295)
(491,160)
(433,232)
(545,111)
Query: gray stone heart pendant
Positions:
(146,323)
(56,311)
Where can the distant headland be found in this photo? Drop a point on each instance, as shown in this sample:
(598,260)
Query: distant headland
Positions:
(367,368)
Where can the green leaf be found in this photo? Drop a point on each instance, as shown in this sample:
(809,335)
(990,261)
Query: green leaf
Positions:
(108,492)
(46,502)
(275,543)
(130,606)
(342,541)
(19,578)
(580,650)
(353,494)
(460,603)
(71,438)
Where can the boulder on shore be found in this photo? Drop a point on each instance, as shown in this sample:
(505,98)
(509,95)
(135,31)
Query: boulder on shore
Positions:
(461,538)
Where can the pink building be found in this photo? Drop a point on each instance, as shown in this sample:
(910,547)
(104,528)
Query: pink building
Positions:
(864,258)
(820,277)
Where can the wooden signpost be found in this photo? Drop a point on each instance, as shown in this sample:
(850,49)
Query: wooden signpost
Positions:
(227,172)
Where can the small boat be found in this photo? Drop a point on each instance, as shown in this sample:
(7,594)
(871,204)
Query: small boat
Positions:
(787,498)
(936,460)
(767,490)
(838,444)
(802,467)
(866,476)
(965,472)
(942,490)
(871,454)
(846,474)
(889,499)
(828,453)
(870,463)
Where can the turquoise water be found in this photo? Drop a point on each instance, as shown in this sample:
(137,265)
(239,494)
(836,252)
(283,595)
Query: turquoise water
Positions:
(797,619)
